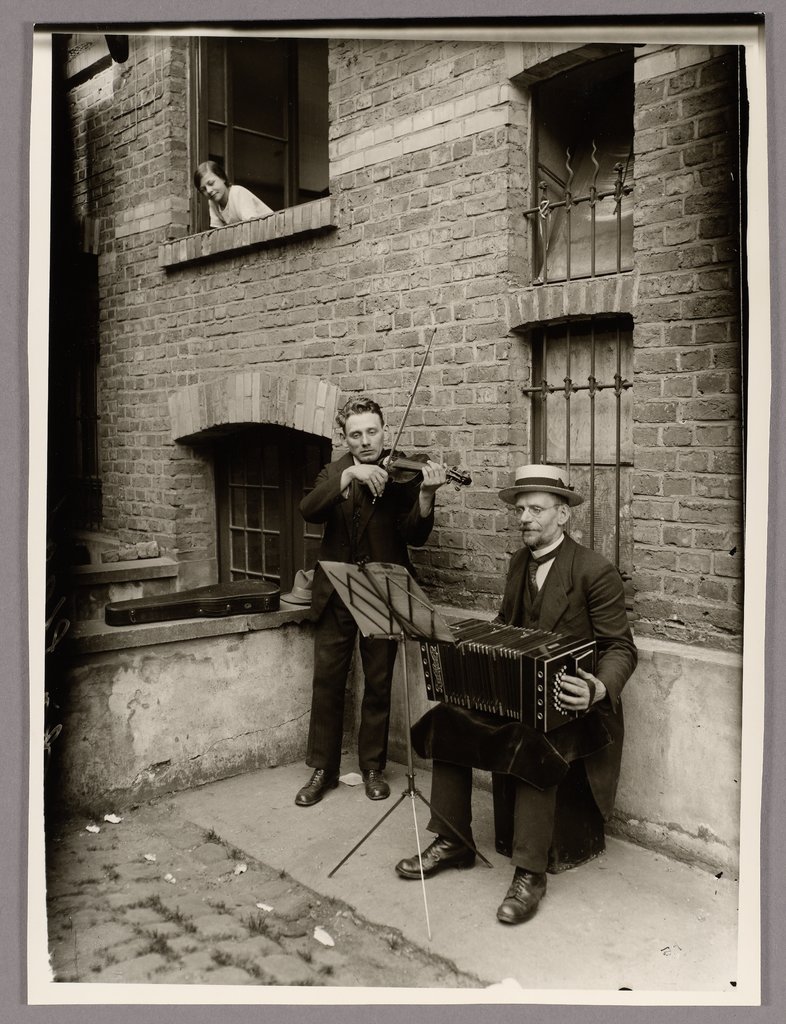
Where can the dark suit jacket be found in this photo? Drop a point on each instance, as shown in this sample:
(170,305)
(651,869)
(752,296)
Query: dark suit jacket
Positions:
(384,529)
(584,598)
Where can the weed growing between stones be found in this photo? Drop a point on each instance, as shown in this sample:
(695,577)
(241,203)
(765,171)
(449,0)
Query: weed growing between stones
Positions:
(256,924)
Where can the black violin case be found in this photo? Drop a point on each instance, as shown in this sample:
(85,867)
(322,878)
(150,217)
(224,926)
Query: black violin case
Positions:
(240,598)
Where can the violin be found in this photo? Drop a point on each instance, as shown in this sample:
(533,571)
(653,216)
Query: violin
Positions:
(403,470)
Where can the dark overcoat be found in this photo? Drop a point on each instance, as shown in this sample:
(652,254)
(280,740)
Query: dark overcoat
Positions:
(584,598)
(382,531)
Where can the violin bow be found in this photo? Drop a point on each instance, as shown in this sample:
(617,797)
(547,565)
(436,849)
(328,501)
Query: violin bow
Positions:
(412,396)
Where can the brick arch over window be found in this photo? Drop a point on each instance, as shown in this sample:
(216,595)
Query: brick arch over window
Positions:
(214,408)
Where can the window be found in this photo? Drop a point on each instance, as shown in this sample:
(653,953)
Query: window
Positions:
(261,110)
(582,419)
(582,214)
(262,475)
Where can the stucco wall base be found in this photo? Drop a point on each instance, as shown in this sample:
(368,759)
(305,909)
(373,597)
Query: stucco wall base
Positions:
(697,850)
(679,786)
(143,721)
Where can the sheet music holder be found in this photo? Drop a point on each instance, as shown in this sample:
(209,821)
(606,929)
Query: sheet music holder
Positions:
(387,603)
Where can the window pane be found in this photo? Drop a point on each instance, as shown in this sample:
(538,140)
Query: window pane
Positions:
(581,412)
(603,521)
(216,144)
(216,93)
(583,129)
(238,507)
(253,509)
(272,502)
(259,164)
(237,469)
(272,557)
(259,85)
(253,468)
(238,549)
(255,552)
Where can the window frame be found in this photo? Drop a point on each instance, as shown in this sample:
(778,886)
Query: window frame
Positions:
(199,127)
(543,208)
(540,391)
(293,530)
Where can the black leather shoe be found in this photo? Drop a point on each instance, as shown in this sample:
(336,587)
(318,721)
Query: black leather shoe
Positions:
(521,901)
(442,853)
(314,790)
(375,783)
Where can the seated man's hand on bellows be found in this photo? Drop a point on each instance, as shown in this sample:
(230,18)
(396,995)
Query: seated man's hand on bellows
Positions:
(578,693)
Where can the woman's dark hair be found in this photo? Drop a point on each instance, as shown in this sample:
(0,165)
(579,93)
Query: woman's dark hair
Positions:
(209,167)
(356,407)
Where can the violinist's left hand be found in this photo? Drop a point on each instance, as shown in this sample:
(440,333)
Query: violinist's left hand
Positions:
(434,476)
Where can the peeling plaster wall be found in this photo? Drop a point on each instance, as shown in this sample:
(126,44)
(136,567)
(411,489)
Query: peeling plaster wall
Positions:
(680,782)
(144,721)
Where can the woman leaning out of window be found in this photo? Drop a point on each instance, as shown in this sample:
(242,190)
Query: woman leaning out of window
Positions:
(229,204)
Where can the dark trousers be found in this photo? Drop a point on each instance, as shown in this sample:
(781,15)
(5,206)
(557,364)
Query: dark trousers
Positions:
(334,642)
(533,819)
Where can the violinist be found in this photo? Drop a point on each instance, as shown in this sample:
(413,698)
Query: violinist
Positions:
(368,516)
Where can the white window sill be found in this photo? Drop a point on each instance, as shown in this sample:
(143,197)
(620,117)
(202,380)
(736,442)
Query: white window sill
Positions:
(295,221)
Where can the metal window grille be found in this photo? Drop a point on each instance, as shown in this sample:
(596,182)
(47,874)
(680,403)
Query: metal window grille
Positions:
(261,479)
(582,175)
(602,245)
(582,419)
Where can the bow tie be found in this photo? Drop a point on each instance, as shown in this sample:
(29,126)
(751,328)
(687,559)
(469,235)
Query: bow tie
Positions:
(542,559)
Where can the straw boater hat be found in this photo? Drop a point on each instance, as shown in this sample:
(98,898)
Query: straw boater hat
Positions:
(300,594)
(540,478)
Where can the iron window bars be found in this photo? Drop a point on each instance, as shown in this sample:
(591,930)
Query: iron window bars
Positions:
(603,349)
(546,210)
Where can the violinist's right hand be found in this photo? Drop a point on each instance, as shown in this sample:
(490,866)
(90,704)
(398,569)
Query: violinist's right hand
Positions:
(370,475)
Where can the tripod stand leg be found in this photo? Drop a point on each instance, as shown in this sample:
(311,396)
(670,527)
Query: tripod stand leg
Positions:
(420,862)
(373,829)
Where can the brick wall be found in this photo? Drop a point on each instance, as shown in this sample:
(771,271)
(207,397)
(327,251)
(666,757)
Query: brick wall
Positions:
(429,145)
(688,480)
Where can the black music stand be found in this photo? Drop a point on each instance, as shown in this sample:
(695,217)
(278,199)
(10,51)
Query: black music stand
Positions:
(386,603)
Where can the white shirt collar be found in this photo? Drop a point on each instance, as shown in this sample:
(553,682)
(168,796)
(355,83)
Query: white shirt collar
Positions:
(550,547)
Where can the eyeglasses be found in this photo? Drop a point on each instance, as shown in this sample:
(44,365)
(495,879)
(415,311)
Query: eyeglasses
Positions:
(534,510)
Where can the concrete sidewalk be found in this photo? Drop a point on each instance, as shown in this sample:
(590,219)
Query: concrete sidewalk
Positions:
(630,919)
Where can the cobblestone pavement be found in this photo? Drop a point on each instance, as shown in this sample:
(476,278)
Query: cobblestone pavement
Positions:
(154,899)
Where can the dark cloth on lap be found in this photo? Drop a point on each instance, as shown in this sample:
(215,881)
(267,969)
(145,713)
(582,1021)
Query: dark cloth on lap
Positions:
(461,736)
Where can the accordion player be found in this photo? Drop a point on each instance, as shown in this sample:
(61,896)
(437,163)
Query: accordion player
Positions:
(509,671)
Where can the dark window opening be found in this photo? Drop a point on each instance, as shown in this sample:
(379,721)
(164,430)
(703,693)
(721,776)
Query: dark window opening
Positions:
(262,475)
(582,211)
(261,110)
(582,420)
